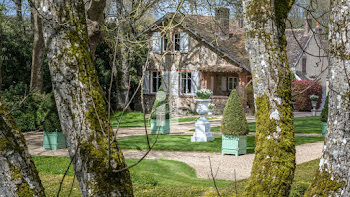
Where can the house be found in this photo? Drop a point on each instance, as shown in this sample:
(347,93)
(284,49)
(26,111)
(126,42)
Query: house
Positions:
(191,52)
(307,54)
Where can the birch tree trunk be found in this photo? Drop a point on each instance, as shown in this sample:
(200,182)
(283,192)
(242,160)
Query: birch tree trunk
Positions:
(36,78)
(81,107)
(332,178)
(274,162)
(18,175)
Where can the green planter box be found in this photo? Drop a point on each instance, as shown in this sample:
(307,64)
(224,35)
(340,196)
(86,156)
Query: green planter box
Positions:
(324,128)
(234,145)
(54,140)
(162,129)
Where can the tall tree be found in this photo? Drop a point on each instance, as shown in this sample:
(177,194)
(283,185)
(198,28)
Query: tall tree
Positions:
(81,107)
(19,176)
(36,77)
(332,178)
(274,163)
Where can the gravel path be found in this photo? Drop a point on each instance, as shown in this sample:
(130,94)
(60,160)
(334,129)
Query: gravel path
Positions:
(197,160)
(224,165)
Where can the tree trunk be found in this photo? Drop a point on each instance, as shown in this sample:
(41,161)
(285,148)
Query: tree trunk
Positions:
(19,176)
(123,93)
(36,78)
(274,163)
(332,178)
(81,107)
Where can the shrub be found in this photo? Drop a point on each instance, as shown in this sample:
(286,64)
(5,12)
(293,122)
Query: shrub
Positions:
(204,94)
(31,113)
(50,121)
(160,104)
(302,101)
(324,114)
(234,121)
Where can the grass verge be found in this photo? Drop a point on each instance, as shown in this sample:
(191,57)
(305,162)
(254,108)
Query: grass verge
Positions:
(183,143)
(155,178)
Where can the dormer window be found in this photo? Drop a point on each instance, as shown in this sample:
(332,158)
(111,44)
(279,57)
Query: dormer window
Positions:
(160,43)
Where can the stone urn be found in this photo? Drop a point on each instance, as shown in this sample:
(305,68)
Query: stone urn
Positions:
(313,103)
(202,127)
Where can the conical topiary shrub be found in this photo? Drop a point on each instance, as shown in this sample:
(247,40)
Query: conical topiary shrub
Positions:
(324,117)
(234,127)
(160,115)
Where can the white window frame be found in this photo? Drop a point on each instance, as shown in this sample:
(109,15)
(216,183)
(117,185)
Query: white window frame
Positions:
(188,83)
(158,80)
(233,82)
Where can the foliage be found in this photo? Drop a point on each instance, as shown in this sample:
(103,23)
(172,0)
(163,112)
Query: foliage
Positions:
(302,101)
(161,105)
(183,143)
(324,114)
(51,120)
(314,98)
(233,120)
(204,94)
(31,111)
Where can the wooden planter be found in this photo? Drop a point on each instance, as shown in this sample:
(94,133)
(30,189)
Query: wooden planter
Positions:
(324,128)
(54,140)
(234,144)
(161,129)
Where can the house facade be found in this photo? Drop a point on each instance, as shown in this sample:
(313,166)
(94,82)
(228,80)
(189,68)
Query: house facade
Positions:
(307,54)
(196,52)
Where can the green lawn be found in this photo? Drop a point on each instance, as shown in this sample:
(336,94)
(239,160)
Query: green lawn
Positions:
(135,119)
(301,124)
(183,143)
(161,178)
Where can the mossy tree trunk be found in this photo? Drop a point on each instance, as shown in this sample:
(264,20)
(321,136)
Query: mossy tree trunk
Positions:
(274,163)
(81,107)
(332,178)
(36,78)
(18,175)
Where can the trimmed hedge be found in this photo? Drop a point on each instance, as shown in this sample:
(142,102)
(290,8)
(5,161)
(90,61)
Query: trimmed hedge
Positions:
(324,114)
(234,121)
(302,101)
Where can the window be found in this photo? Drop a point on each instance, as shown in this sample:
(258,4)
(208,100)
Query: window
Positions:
(232,83)
(156,81)
(177,42)
(186,79)
(165,44)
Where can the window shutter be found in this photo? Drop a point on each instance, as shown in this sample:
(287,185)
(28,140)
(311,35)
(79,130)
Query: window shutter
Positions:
(184,42)
(194,82)
(223,83)
(174,81)
(146,83)
(165,82)
(156,42)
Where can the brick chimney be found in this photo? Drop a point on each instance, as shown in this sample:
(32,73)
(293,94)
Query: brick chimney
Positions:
(307,25)
(222,21)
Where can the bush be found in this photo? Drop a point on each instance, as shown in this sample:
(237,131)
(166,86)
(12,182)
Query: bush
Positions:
(31,114)
(50,121)
(234,121)
(161,104)
(324,114)
(302,101)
